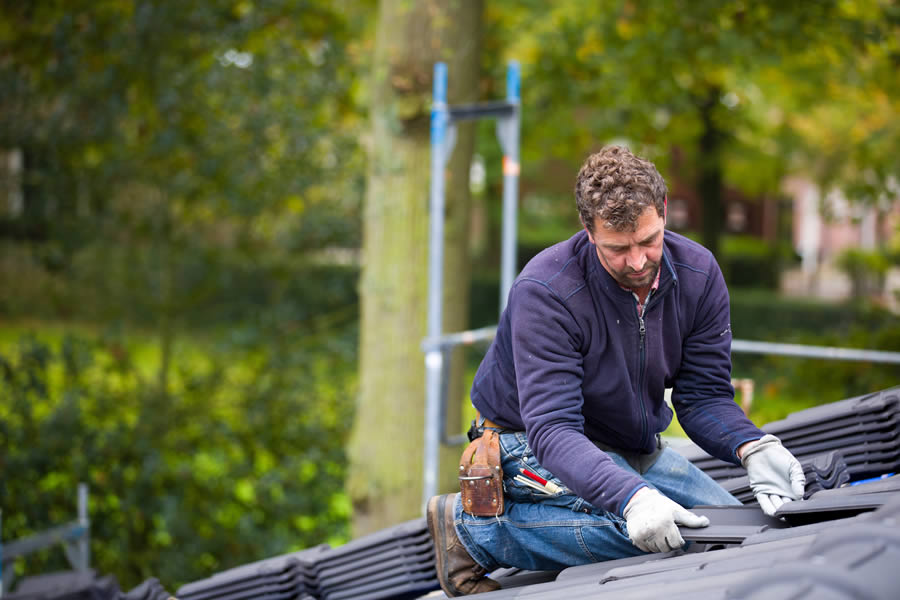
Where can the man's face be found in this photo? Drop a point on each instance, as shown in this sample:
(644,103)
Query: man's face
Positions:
(631,258)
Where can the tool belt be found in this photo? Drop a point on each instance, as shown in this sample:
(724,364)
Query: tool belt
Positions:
(480,476)
(480,424)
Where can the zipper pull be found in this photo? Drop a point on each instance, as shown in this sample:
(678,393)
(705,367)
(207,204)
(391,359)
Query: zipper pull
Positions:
(643,329)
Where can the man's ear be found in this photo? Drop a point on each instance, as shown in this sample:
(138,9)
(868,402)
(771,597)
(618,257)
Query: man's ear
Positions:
(665,208)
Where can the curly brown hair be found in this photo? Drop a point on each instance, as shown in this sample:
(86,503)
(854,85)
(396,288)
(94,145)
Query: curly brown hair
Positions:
(617,186)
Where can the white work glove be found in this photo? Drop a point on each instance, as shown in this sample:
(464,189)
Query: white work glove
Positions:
(775,475)
(652,521)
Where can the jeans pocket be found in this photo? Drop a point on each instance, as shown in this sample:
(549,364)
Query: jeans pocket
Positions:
(513,453)
(516,455)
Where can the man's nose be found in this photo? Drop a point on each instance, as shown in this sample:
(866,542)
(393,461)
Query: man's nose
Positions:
(637,258)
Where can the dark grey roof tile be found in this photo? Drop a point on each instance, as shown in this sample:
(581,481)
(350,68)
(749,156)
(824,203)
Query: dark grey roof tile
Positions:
(820,508)
(296,566)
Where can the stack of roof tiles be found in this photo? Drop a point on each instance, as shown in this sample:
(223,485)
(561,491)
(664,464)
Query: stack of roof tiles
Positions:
(287,577)
(823,472)
(396,563)
(863,429)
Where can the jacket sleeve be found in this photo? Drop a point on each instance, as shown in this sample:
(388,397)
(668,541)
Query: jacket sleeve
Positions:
(549,371)
(703,396)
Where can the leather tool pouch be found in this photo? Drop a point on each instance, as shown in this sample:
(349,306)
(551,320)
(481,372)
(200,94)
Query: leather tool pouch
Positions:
(480,476)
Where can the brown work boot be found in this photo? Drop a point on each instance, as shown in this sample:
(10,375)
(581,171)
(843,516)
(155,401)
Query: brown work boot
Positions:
(457,572)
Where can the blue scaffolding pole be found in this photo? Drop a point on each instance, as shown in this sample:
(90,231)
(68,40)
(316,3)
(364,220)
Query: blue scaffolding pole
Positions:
(443,137)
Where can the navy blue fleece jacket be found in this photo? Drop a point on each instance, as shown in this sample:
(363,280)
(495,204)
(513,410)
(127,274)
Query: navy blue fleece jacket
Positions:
(573,362)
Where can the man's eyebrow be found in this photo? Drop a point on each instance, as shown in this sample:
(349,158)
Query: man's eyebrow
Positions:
(614,245)
(651,237)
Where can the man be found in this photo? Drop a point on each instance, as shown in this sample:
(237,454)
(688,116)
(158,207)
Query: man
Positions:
(596,328)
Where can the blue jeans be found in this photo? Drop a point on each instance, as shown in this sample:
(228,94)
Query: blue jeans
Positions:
(541,532)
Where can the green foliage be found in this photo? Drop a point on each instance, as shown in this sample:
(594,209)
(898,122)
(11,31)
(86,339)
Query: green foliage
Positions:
(751,262)
(168,147)
(763,315)
(181,163)
(847,378)
(786,384)
(484,299)
(205,101)
(867,270)
(243,459)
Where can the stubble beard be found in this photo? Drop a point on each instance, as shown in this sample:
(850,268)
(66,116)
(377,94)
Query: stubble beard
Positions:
(645,281)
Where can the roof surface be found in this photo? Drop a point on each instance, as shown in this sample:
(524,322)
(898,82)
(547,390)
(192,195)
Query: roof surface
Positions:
(842,541)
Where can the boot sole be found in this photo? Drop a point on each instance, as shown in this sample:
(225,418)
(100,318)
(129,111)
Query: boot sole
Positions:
(434,518)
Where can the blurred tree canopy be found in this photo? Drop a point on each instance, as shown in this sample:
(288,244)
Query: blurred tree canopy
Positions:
(744,91)
(163,141)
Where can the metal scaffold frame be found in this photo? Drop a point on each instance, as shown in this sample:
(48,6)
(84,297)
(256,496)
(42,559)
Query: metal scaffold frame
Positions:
(443,137)
(75,537)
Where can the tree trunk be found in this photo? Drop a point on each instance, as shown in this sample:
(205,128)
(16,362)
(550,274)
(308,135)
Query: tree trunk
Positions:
(709,185)
(462,88)
(386,453)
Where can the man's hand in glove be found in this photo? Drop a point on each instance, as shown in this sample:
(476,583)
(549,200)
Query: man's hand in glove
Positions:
(652,521)
(775,475)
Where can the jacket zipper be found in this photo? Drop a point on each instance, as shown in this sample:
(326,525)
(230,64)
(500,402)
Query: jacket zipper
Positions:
(642,330)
